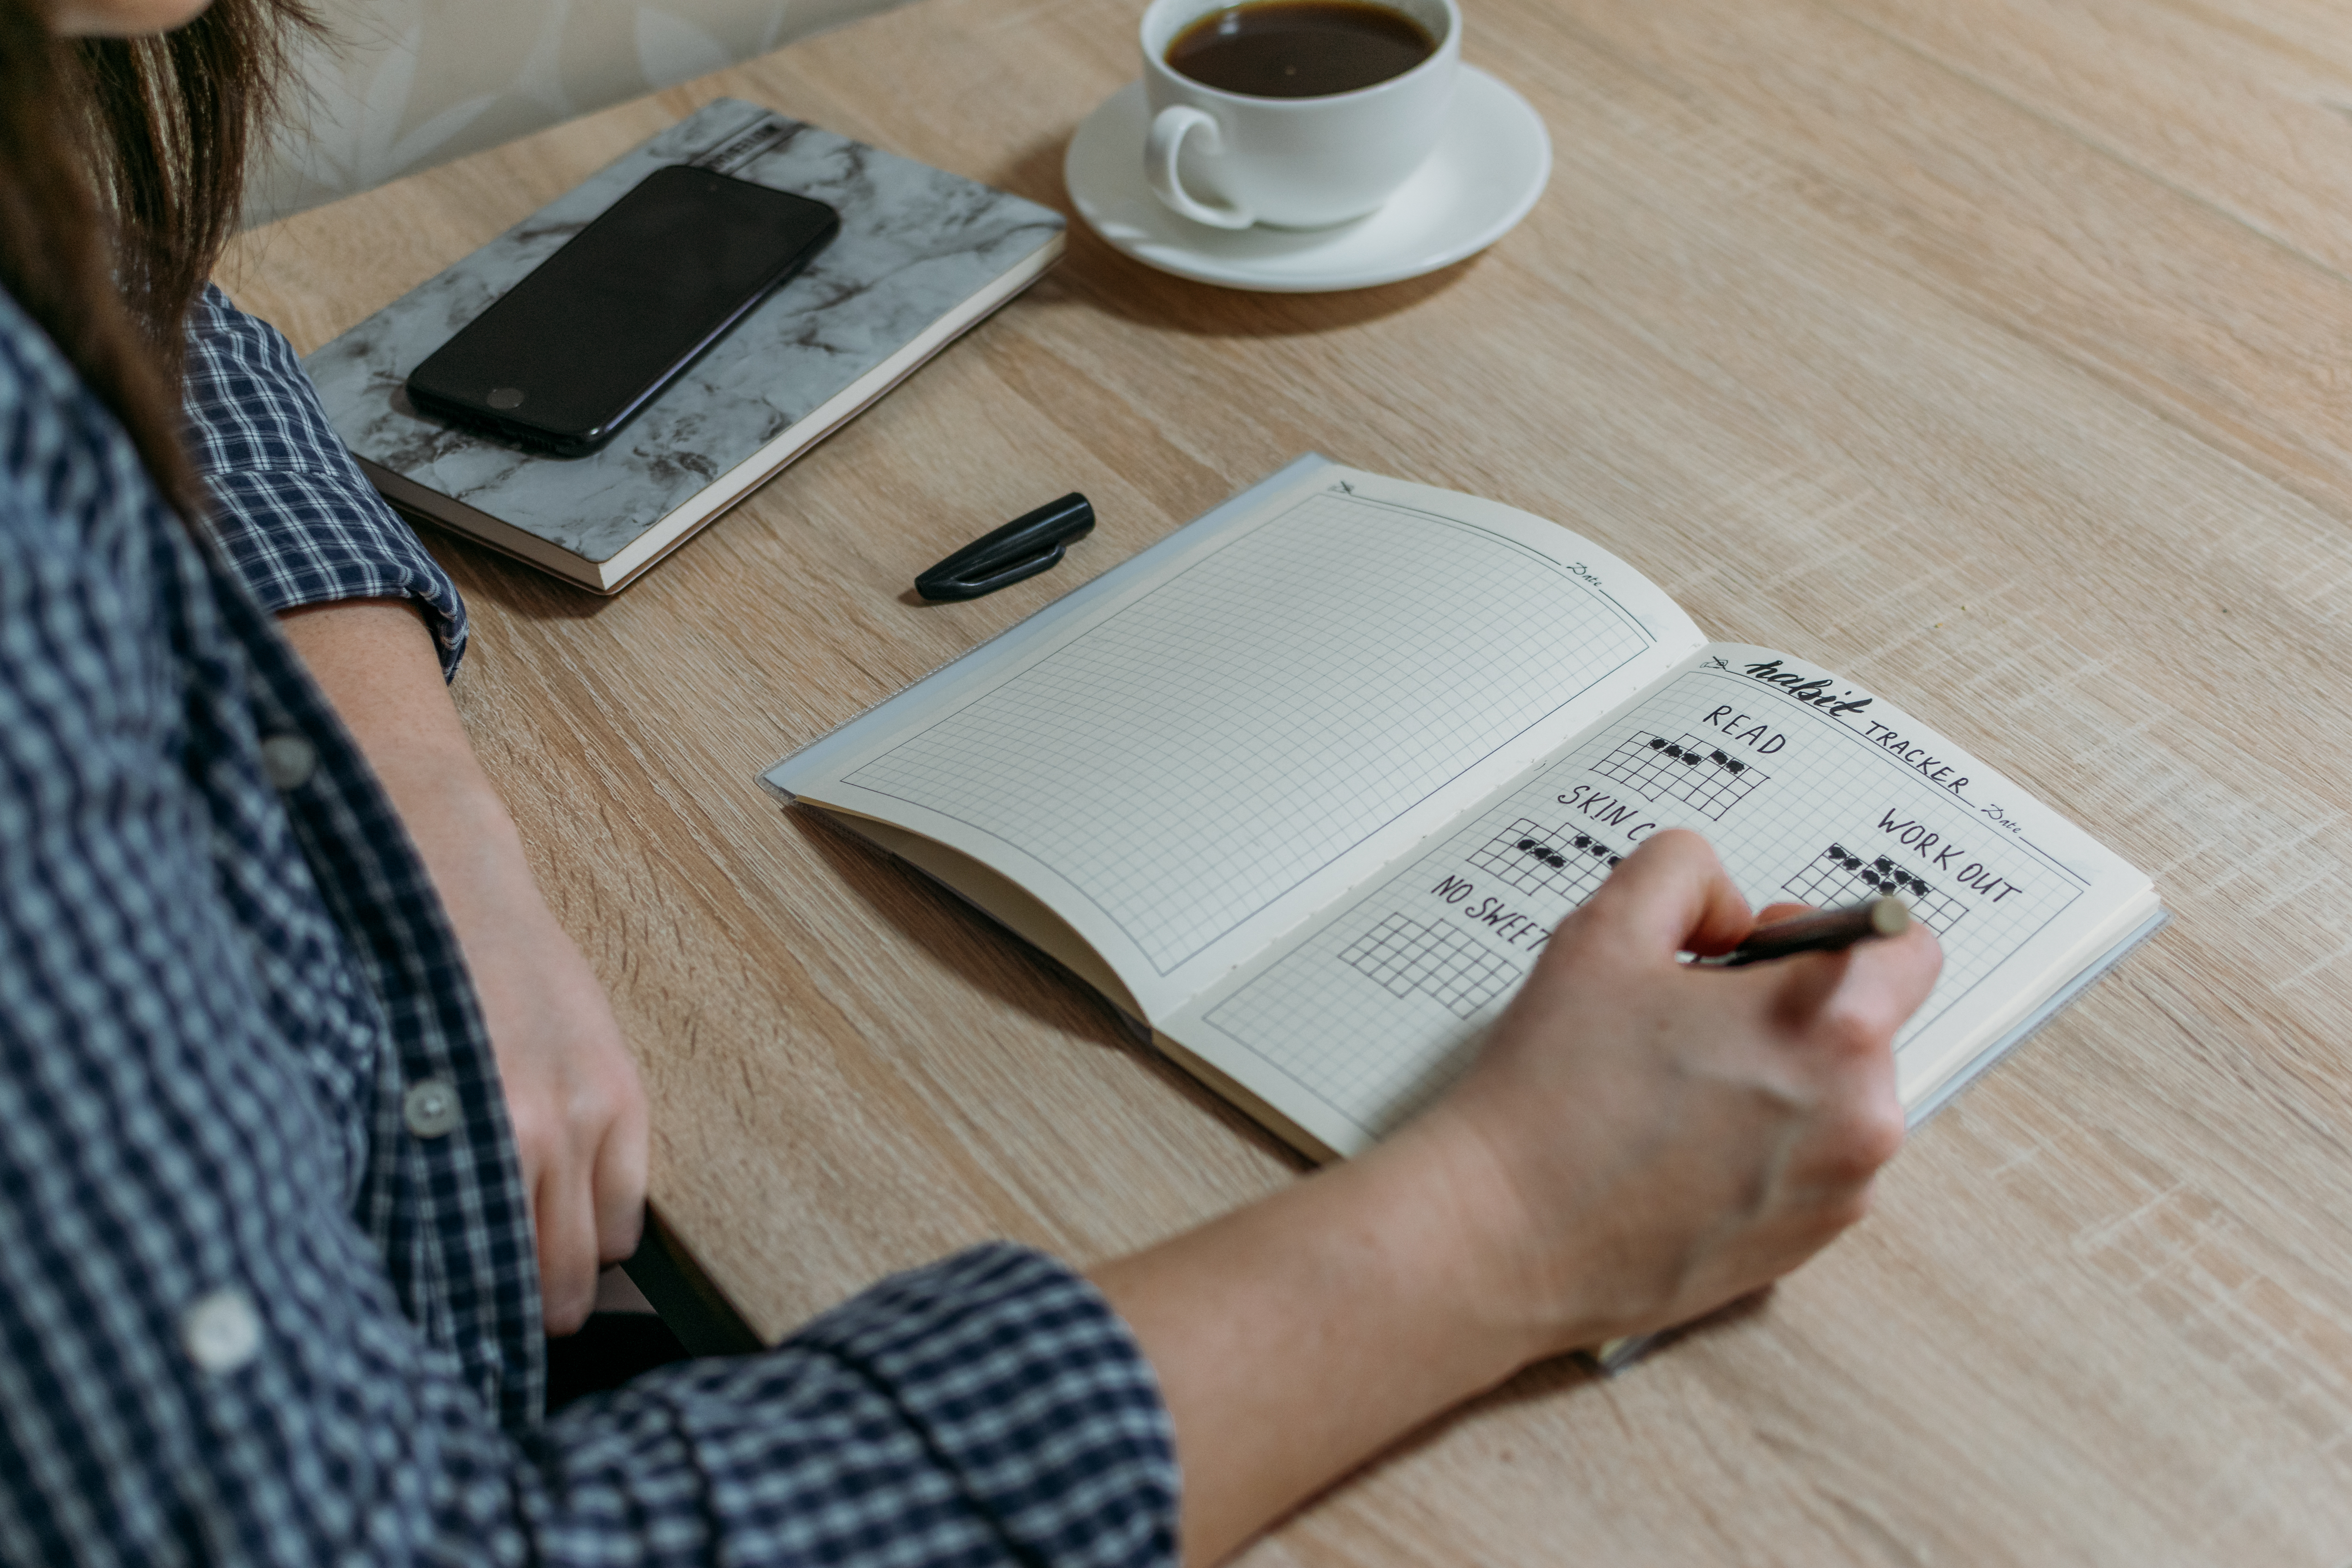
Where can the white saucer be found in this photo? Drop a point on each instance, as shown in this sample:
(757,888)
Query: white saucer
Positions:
(1487,170)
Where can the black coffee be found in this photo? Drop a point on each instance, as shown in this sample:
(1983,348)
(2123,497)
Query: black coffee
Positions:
(1299,48)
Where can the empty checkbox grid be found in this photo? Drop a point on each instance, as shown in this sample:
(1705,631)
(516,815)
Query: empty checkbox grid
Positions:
(1405,956)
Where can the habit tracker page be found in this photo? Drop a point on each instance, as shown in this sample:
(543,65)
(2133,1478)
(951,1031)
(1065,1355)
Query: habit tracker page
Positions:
(1810,790)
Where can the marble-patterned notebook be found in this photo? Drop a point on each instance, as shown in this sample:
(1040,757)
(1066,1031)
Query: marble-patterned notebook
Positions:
(922,254)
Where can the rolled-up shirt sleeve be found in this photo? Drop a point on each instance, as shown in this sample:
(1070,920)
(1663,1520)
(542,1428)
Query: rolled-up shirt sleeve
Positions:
(987,1409)
(291,511)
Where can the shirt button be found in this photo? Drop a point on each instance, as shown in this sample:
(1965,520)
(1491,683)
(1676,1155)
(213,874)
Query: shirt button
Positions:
(289,760)
(430,1108)
(220,1331)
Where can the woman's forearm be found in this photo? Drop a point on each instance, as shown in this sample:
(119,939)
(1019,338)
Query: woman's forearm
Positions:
(376,661)
(1298,1337)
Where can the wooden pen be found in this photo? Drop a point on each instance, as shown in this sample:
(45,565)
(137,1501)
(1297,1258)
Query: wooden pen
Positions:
(1829,930)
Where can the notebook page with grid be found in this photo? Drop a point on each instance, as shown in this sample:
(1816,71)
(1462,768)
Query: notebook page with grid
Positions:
(1362,1017)
(1202,758)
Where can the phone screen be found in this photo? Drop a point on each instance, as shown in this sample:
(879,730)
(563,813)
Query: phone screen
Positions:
(575,351)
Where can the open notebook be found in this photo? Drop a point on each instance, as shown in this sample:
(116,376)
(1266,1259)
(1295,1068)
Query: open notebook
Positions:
(1304,788)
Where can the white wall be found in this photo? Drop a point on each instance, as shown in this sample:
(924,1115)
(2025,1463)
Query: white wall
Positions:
(410,83)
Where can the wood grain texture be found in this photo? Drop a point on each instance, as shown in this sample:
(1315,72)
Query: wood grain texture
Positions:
(1990,354)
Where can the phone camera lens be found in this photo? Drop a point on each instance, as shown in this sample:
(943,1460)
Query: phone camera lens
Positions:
(502,398)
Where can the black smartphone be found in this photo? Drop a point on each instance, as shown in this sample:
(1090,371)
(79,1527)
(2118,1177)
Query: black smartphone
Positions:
(573,352)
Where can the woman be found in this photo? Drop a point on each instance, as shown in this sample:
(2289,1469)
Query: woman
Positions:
(377,620)
(277,1265)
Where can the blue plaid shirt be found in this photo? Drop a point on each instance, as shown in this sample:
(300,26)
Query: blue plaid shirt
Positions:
(268,1289)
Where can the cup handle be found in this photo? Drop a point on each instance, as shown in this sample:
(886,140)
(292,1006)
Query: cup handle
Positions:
(1169,129)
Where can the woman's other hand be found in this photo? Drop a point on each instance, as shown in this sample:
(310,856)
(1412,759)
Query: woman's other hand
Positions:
(571,1088)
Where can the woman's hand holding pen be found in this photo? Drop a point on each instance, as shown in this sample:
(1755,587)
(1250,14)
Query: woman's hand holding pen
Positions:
(1646,1140)
(1642,1140)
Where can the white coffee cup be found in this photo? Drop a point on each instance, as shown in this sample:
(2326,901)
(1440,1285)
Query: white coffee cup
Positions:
(1230,160)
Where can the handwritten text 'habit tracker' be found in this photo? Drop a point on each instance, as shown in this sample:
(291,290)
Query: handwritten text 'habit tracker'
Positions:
(1814,693)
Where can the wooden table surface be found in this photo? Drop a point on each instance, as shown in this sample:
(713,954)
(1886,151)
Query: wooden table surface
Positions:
(1994,353)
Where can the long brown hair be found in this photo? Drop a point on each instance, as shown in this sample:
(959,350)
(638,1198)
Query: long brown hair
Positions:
(122,166)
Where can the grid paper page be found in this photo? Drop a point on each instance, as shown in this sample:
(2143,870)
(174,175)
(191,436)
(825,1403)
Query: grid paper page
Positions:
(1814,793)
(1240,726)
